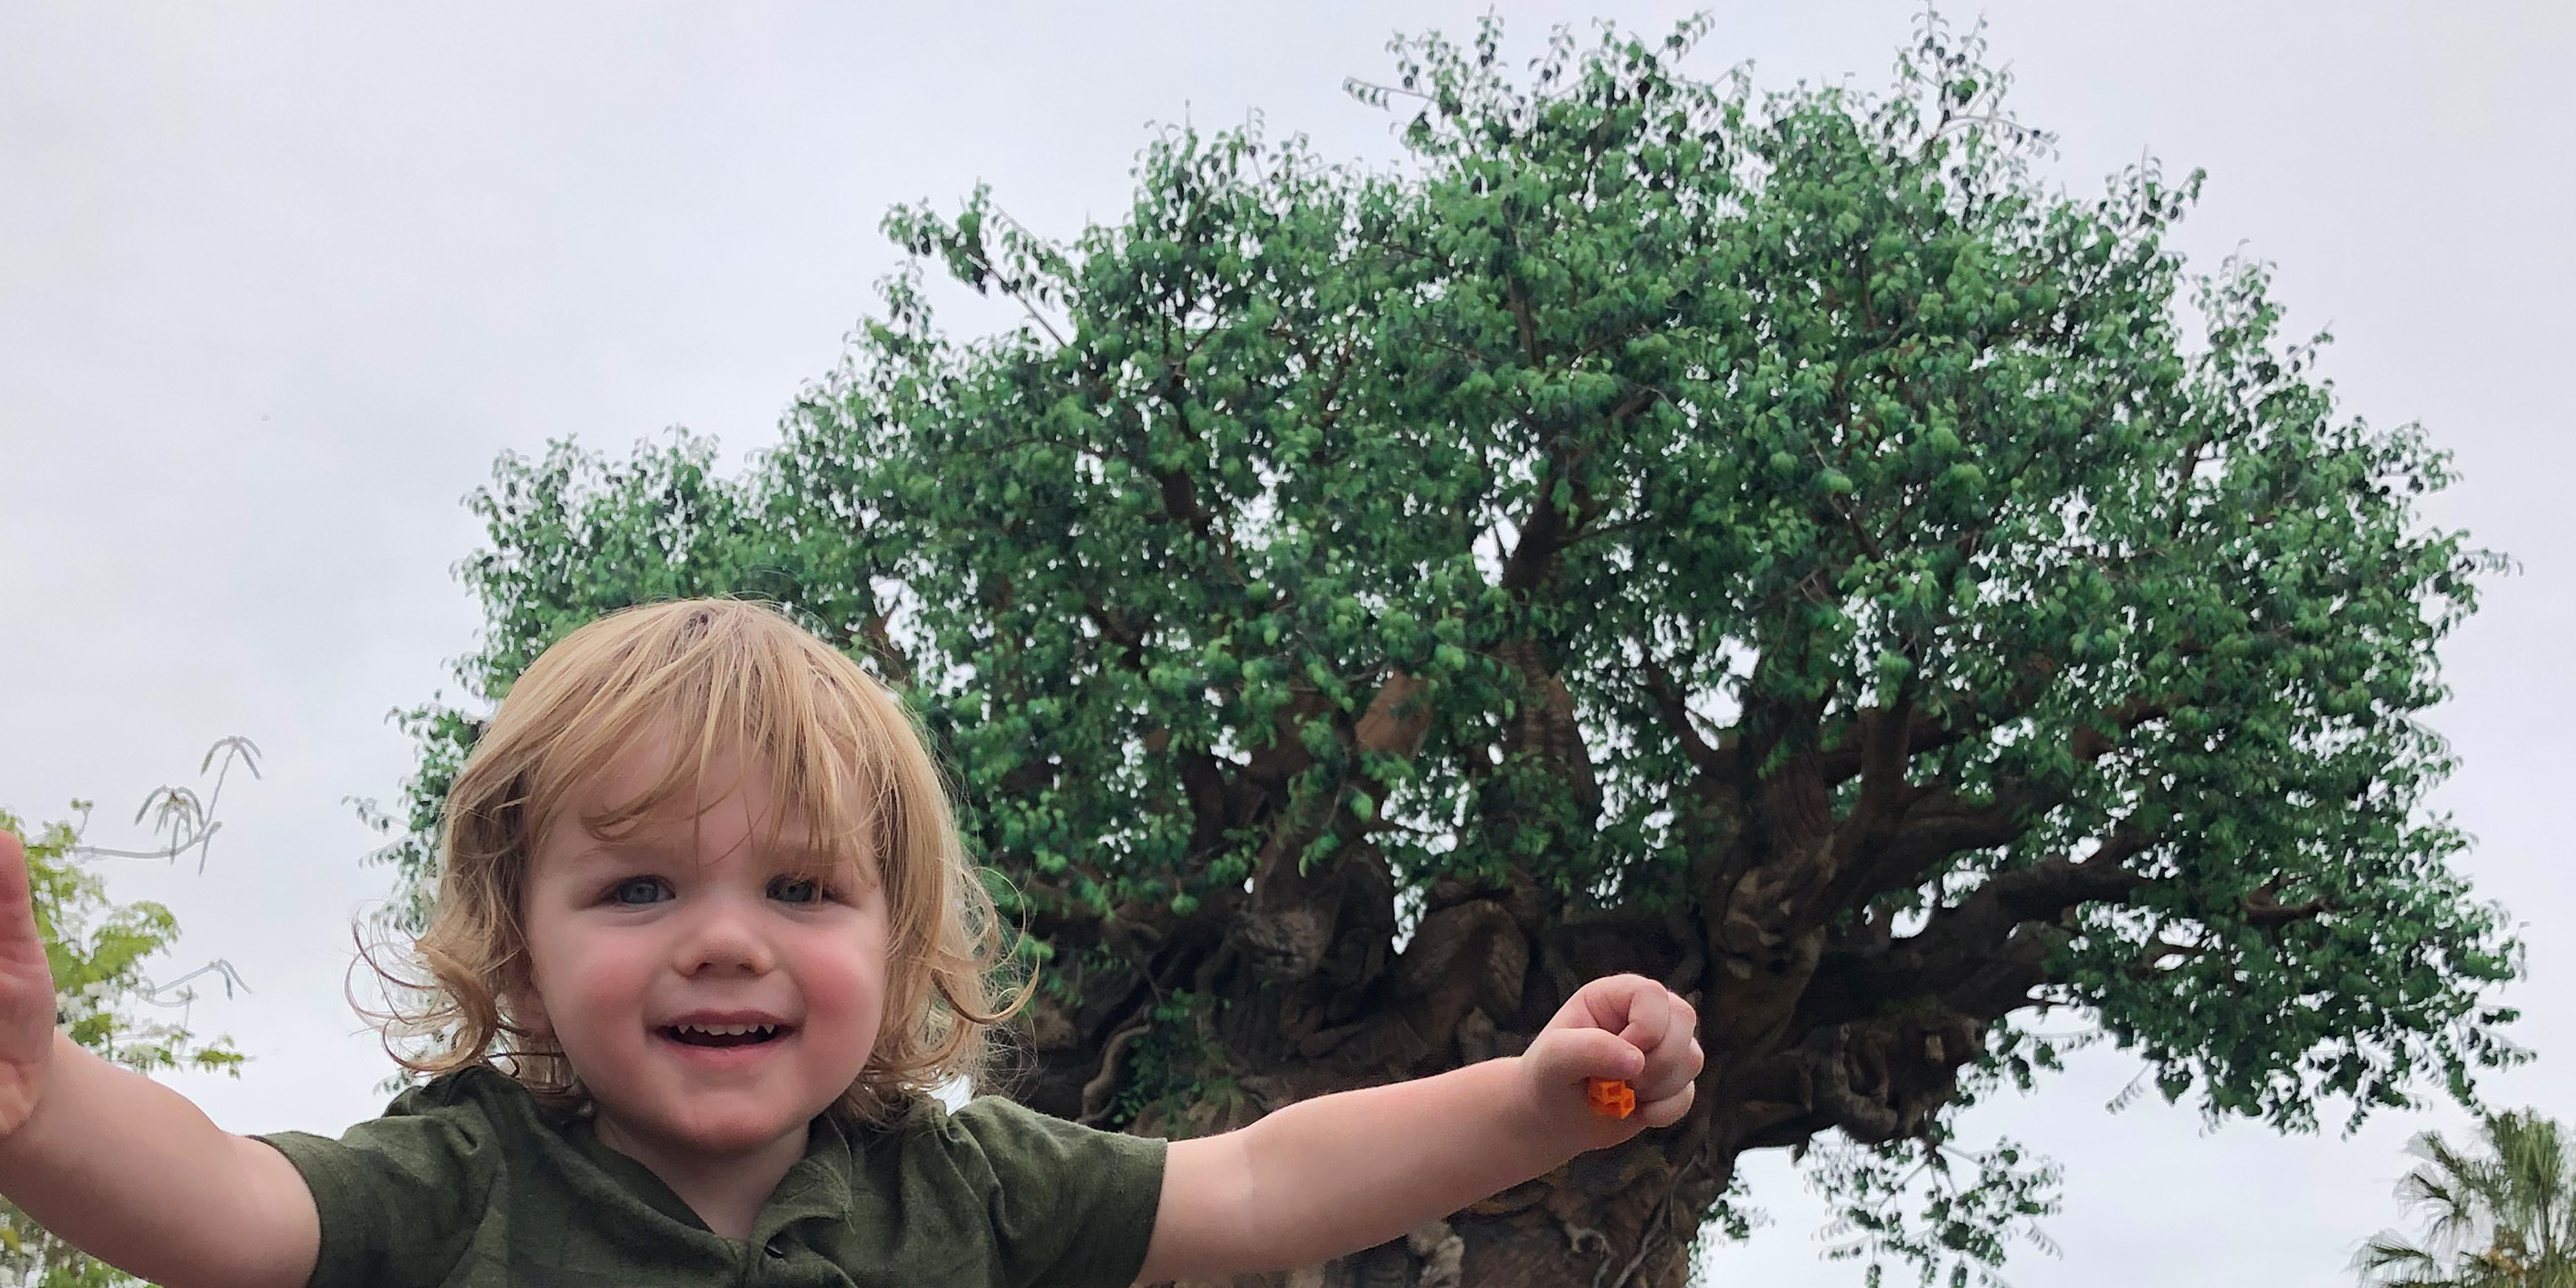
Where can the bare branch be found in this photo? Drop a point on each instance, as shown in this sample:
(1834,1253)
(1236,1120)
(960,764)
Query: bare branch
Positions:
(2263,907)
(1925,732)
(1397,718)
(1932,826)
(1716,762)
(2090,743)
(1972,942)
(1884,793)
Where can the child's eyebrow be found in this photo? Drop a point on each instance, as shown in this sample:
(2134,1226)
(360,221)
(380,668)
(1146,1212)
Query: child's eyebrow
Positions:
(805,857)
(607,854)
(793,855)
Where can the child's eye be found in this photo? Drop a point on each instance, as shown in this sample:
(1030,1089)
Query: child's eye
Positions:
(795,889)
(636,891)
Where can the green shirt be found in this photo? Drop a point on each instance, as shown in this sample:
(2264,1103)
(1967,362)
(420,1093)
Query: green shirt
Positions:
(467,1182)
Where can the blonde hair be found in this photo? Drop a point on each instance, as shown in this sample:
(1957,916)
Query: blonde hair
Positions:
(716,676)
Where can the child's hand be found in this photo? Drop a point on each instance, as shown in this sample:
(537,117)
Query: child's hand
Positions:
(1622,1027)
(1337,1173)
(26,993)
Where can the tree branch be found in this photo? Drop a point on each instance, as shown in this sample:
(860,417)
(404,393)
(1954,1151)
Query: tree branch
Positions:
(2264,910)
(1397,718)
(889,654)
(1719,762)
(1960,943)
(1293,916)
(1544,532)
(2091,744)
(1932,826)
(1925,731)
(1884,793)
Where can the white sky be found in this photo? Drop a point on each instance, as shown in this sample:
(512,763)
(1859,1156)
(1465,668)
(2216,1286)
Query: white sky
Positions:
(277,282)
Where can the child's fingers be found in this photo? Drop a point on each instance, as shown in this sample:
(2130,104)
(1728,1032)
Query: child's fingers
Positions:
(1681,1020)
(26,991)
(17,900)
(1685,1015)
(1650,1012)
(1569,1057)
(1675,1061)
(1667,1111)
(1637,1009)
(1670,1070)
(22,952)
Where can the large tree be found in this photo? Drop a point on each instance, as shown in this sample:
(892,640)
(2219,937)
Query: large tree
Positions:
(1773,542)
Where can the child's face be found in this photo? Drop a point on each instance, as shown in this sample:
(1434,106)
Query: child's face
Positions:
(711,999)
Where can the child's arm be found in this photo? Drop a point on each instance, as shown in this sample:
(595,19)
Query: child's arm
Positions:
(124,1168)
(1338,1173)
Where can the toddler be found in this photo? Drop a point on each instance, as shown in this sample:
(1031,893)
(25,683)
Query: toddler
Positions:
(704,947)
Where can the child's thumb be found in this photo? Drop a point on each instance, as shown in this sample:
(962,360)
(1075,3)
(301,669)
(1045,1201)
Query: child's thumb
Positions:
(15,888)
(1568,1056)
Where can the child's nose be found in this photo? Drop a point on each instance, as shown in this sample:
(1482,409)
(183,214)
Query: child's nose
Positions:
(724,940)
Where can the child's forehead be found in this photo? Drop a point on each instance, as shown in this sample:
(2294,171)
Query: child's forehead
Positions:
(655,759)
(654,788)
(655,763)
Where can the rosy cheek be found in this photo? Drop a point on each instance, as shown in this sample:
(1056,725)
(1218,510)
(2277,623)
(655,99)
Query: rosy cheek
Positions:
(608,974)
(844,988)
(833,987)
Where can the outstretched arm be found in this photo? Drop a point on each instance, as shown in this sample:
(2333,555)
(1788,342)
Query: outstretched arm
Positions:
(124,1168)
(1338,1173)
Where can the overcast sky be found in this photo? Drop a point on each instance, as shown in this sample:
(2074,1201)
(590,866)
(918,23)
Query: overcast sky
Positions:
(277,283)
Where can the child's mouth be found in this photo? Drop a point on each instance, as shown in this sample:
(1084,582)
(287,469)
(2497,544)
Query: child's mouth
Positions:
(724,1035)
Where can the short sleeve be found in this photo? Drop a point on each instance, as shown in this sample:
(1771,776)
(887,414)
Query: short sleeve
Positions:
(400,1196)
(1072,1207)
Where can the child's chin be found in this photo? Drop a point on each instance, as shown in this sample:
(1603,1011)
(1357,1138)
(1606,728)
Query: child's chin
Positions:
(745,1133)
(717,1128)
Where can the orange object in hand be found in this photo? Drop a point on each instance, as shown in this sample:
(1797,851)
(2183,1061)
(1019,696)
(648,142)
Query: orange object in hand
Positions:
(1610,1097)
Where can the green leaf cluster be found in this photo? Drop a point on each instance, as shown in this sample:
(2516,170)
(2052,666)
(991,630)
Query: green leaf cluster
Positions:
(1946,1212)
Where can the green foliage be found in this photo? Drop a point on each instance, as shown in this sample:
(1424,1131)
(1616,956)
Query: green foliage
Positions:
(1641,424)
(2501,1214)
(443,736)
(1174,1070)
(1947,1212)
(98,951)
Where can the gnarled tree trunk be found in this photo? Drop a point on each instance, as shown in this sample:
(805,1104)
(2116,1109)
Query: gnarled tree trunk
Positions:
(1809,1026)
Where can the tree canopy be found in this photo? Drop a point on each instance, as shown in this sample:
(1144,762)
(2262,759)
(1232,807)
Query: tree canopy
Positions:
(1774,541)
